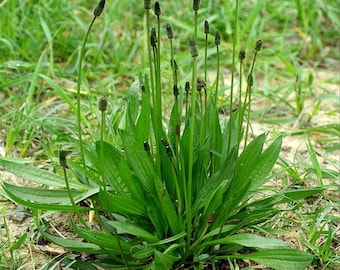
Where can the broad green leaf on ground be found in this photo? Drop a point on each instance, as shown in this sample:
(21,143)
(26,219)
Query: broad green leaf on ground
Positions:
(37,175)
(280,259)
(47,199)
(74,245)
(286,196)
(102,239)
(17,194)
(250,240)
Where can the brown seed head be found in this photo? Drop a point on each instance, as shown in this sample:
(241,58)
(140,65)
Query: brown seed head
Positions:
(206,27)
(62,158)
(193,47)
(258,45)
(200,84)
(242,54)
(217,38)
(147,4)
(153,37)
(102,103)
(169,31)
(187,87)
(157,9)
(196,5)
(99,8)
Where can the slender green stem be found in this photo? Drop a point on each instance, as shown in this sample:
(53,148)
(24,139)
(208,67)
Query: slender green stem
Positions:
(191,148)
(217,73)
(195,24)
(102,146)
(241,109)
(8,235)
(206,58)
(149,53)
(82,52)
(248,106)
(233,72)
(157,119)
(72,200)
(247,103)
(158,74)
(206,31)
(177,187)
(158,97)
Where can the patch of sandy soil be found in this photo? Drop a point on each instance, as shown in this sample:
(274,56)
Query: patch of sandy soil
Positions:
(35,254)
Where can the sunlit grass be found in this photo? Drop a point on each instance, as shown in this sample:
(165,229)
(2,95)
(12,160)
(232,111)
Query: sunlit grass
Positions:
(40,52)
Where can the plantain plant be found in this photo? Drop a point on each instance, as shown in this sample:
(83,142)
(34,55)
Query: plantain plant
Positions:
(168,194)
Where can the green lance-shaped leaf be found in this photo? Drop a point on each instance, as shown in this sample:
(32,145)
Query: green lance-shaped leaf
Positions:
(103,239)
(37,175)
(46,198)
(132,229)
(250,240)
(280,259)
(121,204)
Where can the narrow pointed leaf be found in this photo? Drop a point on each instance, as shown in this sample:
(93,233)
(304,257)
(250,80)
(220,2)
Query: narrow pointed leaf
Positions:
(280,259)
(129,228)
(121,204)
(250,240)
(37,175)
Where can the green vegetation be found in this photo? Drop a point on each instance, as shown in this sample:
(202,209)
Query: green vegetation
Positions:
(170,172)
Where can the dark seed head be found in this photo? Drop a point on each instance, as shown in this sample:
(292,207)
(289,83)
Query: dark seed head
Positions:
(167,148)
(164,142)
(62,158)
(153,37)
(175,90)
(217,38)
(193,47)
(242,54)
(169,152)
(147,4)
(99,8)
(187,87)
(102,103)
(146,147)
(157,9)
(258,45)
(206,27)
(200,84)
(169,31)
(196,5)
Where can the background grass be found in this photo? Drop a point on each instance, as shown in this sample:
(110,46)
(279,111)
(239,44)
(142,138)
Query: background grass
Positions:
(297,72)
(40,44)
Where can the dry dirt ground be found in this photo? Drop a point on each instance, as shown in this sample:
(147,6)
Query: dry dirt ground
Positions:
(34,255)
